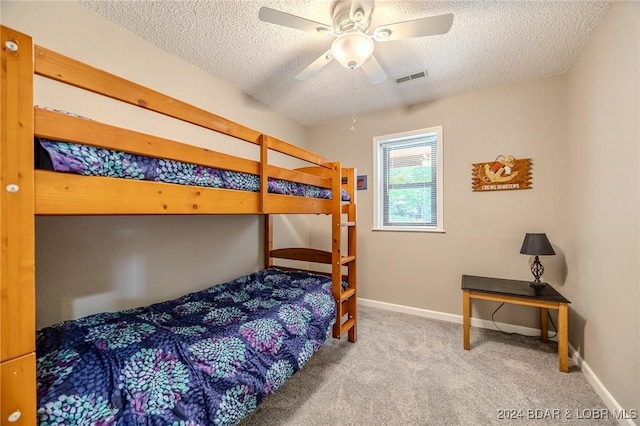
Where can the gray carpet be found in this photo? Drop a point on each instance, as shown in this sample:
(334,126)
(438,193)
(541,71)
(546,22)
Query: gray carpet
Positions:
(408,370)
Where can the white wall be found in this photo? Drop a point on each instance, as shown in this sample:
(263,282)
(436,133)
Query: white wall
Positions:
(484,231)
(602,244)
(92,264)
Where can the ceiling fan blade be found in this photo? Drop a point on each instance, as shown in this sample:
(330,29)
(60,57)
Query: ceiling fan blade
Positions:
(431,25)
(361,10)
(315,66)
(374,71)
(273,16)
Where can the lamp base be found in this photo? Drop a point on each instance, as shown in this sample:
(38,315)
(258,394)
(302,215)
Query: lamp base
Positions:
(537,285)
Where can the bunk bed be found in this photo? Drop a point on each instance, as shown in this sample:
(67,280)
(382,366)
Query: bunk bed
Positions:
(327,188)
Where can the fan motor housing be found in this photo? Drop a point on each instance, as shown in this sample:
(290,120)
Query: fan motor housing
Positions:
(342,21)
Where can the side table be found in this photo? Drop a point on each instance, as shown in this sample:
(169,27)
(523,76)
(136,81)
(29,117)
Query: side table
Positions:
(519,293)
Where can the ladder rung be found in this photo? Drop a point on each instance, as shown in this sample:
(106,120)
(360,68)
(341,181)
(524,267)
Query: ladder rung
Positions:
(347,325)
(347,259)
(347,294)
(348,224)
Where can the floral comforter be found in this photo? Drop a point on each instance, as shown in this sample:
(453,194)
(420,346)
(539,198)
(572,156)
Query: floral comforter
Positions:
(93,161)
(207,358)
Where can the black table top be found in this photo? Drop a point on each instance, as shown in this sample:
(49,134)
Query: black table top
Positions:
(511,288)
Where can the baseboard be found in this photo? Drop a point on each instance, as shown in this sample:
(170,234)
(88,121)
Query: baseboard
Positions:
(612,405)
(598,386)
(475,322)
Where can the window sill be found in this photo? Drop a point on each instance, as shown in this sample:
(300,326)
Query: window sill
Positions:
(434,231)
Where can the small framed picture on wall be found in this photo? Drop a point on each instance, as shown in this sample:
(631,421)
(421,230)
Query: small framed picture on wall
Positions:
(361,182)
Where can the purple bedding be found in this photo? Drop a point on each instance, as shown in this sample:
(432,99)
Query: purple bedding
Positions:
(93,161)
(207,358)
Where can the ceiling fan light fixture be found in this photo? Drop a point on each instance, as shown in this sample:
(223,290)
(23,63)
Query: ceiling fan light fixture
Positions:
(352,49)
(354,43)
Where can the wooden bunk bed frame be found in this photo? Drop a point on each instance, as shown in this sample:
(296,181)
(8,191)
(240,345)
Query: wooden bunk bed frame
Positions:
(26,192)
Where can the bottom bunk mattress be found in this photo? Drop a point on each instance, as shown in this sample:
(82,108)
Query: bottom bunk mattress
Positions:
(207,358)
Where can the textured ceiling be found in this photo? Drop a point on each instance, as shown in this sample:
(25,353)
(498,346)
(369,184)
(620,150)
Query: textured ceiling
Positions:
(491,43)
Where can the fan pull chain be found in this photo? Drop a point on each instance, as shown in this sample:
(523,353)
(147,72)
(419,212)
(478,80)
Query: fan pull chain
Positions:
(353,107)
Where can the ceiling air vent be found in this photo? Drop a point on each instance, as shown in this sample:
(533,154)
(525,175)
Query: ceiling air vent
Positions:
(411,77)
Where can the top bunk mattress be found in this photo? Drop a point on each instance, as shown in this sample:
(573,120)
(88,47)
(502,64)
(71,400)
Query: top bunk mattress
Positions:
(93,161)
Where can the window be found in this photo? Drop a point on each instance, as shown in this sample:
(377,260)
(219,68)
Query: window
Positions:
(408,181)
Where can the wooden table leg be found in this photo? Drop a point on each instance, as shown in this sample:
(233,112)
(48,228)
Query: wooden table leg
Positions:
(466,318)
(544,325)
(563,337)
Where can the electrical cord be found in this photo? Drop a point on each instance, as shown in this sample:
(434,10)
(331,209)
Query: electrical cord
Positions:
(519,334)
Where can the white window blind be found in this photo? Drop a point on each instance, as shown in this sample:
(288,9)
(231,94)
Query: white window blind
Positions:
(408,180)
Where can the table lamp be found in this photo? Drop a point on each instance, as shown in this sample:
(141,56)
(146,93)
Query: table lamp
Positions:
(537,245)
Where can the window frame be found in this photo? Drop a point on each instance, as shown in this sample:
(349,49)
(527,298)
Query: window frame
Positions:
(378,189)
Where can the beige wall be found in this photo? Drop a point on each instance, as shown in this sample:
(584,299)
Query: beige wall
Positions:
(484,231)
(581,130)
(93,264)
(602,242)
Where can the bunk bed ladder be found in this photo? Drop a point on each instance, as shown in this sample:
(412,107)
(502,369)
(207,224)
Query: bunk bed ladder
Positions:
(346,298)
(343,215)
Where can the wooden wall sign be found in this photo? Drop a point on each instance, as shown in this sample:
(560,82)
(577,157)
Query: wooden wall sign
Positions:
(505,173)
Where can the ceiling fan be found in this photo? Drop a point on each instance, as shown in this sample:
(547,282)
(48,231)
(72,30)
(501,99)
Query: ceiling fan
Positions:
(353,46)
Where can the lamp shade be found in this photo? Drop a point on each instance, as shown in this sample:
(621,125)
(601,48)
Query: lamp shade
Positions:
(352,49)
(537,245)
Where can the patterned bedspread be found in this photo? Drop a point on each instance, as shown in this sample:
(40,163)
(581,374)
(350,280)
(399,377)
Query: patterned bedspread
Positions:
(207,358)
(93,161)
